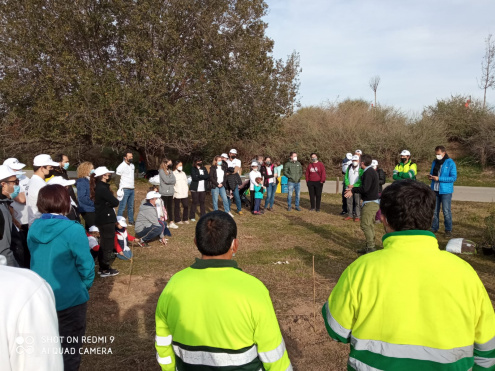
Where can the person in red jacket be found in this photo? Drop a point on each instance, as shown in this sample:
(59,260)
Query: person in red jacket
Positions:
(315,178)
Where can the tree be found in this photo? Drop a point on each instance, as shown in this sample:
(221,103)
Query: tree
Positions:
(374,82)
(161,77)
(488,68)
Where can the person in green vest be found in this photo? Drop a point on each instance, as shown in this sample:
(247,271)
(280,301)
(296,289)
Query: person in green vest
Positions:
(353,178)
(406,169)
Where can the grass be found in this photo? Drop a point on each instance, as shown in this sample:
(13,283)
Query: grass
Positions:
(124,307)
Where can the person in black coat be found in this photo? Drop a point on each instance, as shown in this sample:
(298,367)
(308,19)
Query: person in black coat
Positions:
(382,178)
(199,186)
(105,218)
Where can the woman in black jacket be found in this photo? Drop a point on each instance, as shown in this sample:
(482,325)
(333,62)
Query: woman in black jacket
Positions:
(105,218)
(198,188)
(382,178)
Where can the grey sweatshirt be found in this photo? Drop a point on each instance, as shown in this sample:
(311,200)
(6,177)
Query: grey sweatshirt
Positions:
(6,240)
(147,217)
(167,183)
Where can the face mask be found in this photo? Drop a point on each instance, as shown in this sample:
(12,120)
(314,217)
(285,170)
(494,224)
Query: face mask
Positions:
(219,162)
(314,159)
(268,163)
(439,157)
(354,163)
(294,158)
(374,167)
(179,168)
(66,166)
(200,163)
(233,156)
(169,166)
(403,159)
(16,192)
(92,171)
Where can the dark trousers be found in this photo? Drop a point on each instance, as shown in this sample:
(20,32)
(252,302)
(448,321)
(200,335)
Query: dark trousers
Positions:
(72,327)
(89,220)
(197,198)
(107,238)
(167,202)
(315,189)
(185,207)
(257,203)
(252,199)
(344,200)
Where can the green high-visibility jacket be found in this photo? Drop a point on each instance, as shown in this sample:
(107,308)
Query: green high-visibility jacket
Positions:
(412,306)
(214,316)
(358,181)
(409,170)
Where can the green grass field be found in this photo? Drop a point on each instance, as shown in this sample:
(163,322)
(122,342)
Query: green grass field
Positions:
(123,306)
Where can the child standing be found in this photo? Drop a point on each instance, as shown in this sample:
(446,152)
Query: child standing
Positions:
(122,239)
(259,190)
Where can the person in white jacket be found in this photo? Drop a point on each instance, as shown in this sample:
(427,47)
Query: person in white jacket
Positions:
(181,194)
(29,337)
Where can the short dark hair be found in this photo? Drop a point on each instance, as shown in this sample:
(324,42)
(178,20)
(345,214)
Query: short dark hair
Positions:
(36,168)
(407,205)
(127,151)
(215,232)
(366,159)
(311,155)
(440,148)
(53,199)
(196,160)
(177,162)
(292,153)
(59,157)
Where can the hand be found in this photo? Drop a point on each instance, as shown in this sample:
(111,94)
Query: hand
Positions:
(350,186)
(348,194)
(121,253)
(220,185)
(435,178)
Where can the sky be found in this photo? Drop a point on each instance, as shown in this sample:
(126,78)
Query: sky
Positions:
(422,50)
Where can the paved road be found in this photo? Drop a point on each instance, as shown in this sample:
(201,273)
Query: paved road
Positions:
(473,194)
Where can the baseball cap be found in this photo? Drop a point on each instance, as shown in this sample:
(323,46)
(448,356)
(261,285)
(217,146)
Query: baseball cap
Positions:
(234,151)
(224,155)
(374,163)
(102,170)
(348,156)
(6,172)
(44,160)
(94,228)
(121,221)
(359,151)
(254,163)
(61,181)
(14,163)
(152,194)
(405,153)
(355,158)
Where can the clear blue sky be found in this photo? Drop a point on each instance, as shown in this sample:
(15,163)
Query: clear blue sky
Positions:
(422,50)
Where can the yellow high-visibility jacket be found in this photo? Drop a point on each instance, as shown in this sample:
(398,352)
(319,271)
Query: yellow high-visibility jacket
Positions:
(214,316)
(411,307)
(409,170)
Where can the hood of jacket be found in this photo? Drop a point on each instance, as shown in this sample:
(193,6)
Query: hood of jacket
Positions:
(44,231)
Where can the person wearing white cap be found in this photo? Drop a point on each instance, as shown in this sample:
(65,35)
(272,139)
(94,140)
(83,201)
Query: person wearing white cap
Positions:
(234,171)
(405,169)
(353,178)
(346,162)
(105,218)
(253,174)
(61,170)
(10,186)
(73,214)
(126,172)
(148,226)
(42,165)
(19,204)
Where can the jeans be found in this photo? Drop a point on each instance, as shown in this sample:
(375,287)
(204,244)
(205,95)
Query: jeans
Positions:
(129,201)
(354,205)
(297,188)
(315,189)
(368,222)
(151,232)
(214,196)
(446,201)
(72,325)
(271,189)
(237,198)
(257,203)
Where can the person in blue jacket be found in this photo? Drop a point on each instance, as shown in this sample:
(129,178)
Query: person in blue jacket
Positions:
(86,205)
(60,254)
(443,174)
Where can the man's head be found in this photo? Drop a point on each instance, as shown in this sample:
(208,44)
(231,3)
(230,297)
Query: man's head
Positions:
(216,234)
(355,160)
(224,157)
(233,153)
(8,181)
(405,155)
(293,156)
(366,161)
(43,164)
(254,166)
(407,205)
(440,152)
(63,160)
(152,196)
(128,156)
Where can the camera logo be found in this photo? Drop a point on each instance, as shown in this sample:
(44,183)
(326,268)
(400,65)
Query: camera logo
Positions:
(24,344)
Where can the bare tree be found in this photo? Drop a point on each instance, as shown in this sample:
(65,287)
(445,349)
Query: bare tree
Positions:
(488,67)
(374,82)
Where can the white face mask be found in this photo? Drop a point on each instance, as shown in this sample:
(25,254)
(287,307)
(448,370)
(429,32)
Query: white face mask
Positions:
(179,168)
(294,158)
(439,157)
(354,163)
(374,167)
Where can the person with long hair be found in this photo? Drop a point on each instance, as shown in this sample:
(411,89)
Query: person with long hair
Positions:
(105,218)
(270,182)
(60,255)
(181,194)
(86,204)
(217,180)
(198,187)
(167,183)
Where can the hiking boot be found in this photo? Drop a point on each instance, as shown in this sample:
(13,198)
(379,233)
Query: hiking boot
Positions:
(289,208)
(298,208)
(269,209)
(433,231)
(109,273)
(366,250)
(343,213)
(239,213)
(448,234)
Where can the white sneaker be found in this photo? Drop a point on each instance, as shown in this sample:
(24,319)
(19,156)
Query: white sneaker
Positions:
(193,220)
(181,222)
(187,222)
(173,225)
(231,214)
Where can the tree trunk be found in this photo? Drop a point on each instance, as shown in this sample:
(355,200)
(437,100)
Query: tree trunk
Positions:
(484,99)
(375,98)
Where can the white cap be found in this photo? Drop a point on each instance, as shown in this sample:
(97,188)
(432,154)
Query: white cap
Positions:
(374,163)
(121,221)
(61,181)
(6,172)
(94,228)
(13,163)
(152,194)
(355,158)
(254,163)
(224,155)
(348,156)
(234,151)
(359,151)
(44,160)
(102,170)
(405,153)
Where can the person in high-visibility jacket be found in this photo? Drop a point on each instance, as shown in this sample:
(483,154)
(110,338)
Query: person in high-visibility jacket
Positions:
(406,169)
(214,316)
(412,306)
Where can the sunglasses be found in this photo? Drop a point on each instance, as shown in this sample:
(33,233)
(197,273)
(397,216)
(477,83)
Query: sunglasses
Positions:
(16,182)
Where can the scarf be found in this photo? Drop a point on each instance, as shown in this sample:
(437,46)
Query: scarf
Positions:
(438,165)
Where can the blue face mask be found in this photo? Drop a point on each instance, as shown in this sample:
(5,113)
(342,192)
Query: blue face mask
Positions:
(219,163)
(17,190)
(66,166)
(92,172)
